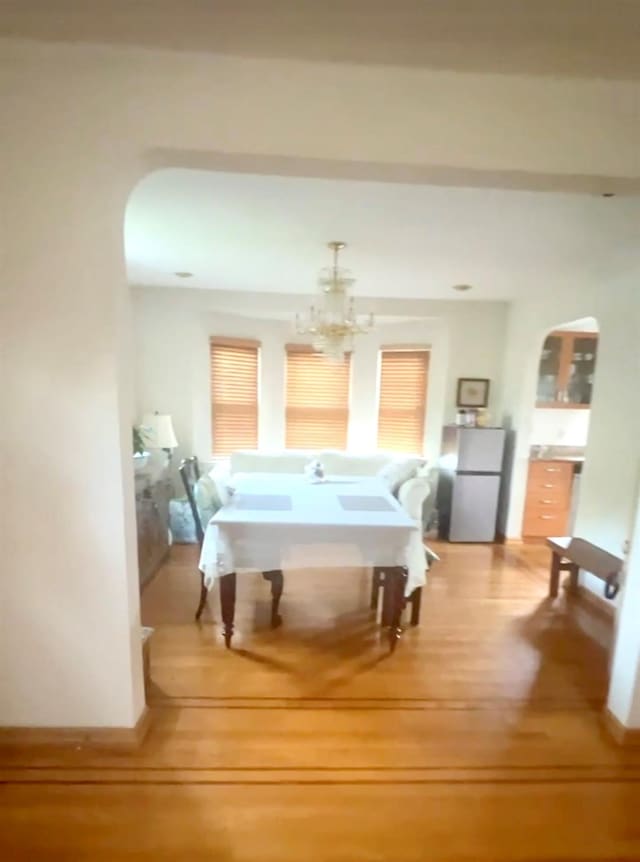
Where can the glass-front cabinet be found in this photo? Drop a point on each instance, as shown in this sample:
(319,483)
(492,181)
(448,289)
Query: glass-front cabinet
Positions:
(567,366)
(582,369)
(549,371)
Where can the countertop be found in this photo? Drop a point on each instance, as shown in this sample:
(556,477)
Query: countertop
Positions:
(572,454)
(575,459)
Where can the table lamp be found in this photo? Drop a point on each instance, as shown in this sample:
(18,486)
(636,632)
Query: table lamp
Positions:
(159,432)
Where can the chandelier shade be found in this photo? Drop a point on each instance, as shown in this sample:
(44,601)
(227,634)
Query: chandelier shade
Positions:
(332,322)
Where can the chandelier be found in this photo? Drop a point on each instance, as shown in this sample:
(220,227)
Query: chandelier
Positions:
(333,322)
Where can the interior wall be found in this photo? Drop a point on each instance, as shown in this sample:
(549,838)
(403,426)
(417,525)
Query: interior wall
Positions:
(624,692)
(551,427)
(172,330)
(70,643)
(612,461)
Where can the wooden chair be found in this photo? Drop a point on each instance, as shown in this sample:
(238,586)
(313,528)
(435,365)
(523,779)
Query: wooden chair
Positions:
(377,583)
(190,473)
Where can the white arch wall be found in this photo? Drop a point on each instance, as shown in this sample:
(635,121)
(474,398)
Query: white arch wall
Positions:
(613,449)
(80,125)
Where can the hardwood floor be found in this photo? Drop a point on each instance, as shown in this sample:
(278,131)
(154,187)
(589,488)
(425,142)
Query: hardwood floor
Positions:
(479,739)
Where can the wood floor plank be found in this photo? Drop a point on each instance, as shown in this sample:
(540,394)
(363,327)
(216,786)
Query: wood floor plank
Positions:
(479,739)
(409,823)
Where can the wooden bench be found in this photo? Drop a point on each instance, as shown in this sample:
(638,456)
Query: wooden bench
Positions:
(571,555)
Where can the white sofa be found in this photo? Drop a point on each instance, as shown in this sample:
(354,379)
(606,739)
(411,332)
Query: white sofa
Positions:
(405,475)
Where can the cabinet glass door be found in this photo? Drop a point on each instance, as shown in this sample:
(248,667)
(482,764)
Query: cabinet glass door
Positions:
(549,370)
(582,368)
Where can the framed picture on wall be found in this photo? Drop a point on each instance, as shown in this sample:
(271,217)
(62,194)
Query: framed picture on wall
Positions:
(472,392)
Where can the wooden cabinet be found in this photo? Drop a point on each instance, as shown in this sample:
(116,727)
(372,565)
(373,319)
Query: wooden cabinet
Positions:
(152,518)
(567,366)
(548,500)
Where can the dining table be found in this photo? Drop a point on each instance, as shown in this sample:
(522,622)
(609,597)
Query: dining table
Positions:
(268,515)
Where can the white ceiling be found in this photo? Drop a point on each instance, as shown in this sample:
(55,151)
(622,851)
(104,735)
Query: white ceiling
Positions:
(589,38)
(256,233)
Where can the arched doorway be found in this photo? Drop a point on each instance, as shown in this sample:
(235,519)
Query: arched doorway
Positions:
(559,428)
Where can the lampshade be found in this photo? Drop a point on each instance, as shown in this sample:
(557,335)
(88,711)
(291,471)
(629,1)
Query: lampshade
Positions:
(159,433)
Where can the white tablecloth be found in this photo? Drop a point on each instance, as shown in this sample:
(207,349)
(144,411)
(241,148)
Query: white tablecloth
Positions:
(341,522)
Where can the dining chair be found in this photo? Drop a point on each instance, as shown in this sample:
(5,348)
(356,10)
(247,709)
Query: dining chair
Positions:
(377,584)
(190,473)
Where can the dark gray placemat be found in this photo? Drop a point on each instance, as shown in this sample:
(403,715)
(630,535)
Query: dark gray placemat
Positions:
(264,502)
(354,503)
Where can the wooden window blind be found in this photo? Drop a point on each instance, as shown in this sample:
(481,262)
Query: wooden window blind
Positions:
(403,399)
(234,394)
(317,400)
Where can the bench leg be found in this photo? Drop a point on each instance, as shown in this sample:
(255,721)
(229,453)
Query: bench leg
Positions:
(554,577)
(574,572)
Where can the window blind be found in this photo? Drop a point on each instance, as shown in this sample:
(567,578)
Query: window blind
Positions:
(234,394)
(317,400)
(403,399)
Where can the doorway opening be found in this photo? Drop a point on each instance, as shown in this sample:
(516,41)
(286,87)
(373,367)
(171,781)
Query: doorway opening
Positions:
(560,427)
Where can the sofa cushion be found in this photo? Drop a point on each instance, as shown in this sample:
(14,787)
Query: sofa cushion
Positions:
(399,470)
(284,461)
(412,495)
(338,463)
(220,475)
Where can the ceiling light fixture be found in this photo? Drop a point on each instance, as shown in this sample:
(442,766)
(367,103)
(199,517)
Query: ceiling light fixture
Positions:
(333,322)
(184,274)
(462,287)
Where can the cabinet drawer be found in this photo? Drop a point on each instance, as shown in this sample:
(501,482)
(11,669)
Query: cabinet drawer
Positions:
(550,481)
(555,491)
(550,471)
(545,522)
(553,498)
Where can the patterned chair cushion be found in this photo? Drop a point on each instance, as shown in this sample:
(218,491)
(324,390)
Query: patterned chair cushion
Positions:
(207,499)
(181,522)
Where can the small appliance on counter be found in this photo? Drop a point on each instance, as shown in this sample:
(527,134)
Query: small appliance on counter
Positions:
(469,483)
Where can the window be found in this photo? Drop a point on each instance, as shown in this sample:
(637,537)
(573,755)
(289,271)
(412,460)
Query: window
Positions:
(317,400)
(403,399)
(234,394)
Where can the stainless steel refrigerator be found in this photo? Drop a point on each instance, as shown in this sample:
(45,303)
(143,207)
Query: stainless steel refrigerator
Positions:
(469,483)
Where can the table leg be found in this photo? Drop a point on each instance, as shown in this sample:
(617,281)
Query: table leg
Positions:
(387,599)
(276,578)
(376,583)
(416,601)
(203,597)
(228,605)
(395,579)
(554,577)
